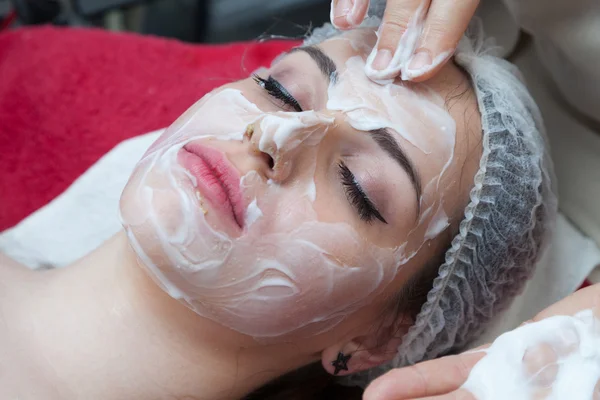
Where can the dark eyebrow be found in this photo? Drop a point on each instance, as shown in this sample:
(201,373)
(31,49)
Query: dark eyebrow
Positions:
(324,62)
(386,141)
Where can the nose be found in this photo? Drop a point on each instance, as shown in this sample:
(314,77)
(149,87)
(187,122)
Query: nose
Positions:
(279,140)
(263,162)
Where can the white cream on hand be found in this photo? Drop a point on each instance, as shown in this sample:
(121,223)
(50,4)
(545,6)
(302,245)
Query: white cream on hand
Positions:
(556,358)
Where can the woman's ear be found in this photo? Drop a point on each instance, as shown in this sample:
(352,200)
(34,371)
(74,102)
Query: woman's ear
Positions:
(364,352)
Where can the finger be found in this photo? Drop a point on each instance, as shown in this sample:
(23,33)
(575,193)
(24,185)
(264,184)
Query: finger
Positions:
(398,36)
(445,24)
(348,14)
(459,394)
(429,378)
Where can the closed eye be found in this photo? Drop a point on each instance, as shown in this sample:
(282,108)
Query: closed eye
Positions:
(277,91)
(357,196)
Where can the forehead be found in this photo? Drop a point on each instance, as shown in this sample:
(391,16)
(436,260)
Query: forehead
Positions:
(450,89)
(451,81)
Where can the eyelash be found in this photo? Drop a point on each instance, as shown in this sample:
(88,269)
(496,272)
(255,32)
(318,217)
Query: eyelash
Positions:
(277,91)
(357,196)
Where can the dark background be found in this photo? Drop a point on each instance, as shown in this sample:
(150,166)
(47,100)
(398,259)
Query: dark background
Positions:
(208,21)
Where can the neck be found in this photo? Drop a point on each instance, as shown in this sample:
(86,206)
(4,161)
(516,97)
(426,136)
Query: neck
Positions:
(101,329)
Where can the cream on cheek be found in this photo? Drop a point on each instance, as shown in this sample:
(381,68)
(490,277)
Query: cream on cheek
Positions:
(287,272)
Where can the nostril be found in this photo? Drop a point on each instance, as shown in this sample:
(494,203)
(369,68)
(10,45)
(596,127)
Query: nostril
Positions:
(269,160)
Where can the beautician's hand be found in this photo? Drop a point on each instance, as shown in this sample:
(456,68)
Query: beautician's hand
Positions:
(444,22)
(441,379)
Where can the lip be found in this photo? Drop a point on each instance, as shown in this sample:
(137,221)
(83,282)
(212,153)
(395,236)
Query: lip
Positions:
(217,180)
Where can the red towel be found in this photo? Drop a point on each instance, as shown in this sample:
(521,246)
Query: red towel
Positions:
(67,96)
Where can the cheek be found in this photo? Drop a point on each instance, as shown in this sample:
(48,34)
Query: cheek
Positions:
(170,132)
(310,278)
(216,114)
(148,189)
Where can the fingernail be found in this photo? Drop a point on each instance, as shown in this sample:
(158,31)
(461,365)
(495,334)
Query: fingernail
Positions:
(419,61)
(342,8)
(382,59)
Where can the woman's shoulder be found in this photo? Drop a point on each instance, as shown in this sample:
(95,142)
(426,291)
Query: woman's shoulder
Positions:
(10,268)
(6,261)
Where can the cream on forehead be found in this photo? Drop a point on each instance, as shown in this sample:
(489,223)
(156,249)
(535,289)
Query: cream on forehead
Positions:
(286,273)
(415,113)
(402,56)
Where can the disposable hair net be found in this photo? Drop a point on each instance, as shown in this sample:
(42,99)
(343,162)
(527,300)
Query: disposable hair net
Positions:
(509,218)
(507,223)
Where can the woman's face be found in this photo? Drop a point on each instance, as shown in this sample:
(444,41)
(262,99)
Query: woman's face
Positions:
(283,203)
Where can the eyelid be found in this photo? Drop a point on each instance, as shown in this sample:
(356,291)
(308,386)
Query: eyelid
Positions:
(357,196)
(306,84)
(276,90)
(368,198)
(286,92)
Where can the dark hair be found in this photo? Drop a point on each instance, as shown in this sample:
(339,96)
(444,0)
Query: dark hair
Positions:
(314,383)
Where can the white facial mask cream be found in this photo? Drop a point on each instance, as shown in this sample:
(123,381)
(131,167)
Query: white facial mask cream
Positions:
(286,272)
(404,52)
(556,358)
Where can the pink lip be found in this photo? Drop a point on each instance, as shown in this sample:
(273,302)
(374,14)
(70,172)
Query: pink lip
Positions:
(217,180)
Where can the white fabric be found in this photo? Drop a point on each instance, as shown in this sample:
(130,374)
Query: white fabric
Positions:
(81,218)
(566,55)
(566,34)
(575,147)
(499,25)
